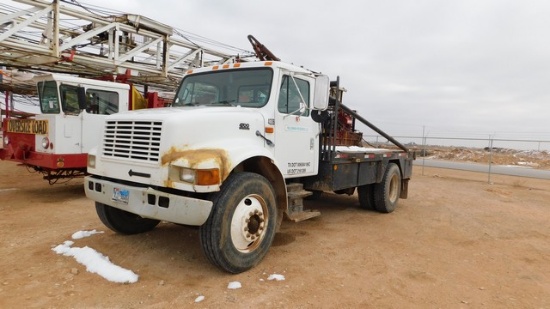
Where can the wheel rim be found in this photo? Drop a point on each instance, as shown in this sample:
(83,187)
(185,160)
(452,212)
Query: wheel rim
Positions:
(249,223)
(394,189)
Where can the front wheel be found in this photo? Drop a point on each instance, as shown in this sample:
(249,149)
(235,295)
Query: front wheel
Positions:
(123,222)
(387,192)
(241,226)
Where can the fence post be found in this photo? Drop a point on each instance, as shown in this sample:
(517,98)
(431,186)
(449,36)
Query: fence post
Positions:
(490,157)
(423,148)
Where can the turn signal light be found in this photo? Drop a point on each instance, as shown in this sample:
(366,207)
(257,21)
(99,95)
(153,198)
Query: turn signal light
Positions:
(207,177)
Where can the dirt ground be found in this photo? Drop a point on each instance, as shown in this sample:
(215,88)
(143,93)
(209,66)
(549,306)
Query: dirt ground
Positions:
(456,242)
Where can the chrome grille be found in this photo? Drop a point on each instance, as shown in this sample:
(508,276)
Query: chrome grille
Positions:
(138,140)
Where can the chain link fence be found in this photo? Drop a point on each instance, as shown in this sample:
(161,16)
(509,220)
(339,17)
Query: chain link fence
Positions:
(515,157)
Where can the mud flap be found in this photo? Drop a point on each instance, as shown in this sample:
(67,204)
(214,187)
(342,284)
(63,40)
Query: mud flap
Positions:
(404,188)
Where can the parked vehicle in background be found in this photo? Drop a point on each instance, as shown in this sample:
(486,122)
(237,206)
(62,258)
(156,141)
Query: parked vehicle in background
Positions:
(56,141)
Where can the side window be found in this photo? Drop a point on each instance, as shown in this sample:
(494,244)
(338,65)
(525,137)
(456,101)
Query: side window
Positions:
(69,99)
(101,102)
(289,96)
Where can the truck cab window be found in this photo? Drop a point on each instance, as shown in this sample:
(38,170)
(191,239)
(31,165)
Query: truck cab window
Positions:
(197,93)
(289,96)
(247,88)
(253,95)
(49,100)
(101,102)
(69,99)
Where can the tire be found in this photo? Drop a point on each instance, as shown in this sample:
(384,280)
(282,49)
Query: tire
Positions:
(366,196)
(122,221)
(241,226)
(386,193)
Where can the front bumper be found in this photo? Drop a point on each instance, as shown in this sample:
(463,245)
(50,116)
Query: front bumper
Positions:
(148,202)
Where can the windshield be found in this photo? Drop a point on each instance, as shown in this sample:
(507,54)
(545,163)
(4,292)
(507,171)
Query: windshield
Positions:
(49,100)
(243,87)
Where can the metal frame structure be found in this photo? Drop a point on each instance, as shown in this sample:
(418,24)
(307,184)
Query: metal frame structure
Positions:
(66,37)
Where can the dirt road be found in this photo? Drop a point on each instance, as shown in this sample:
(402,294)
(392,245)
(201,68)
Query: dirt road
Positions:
(457,242)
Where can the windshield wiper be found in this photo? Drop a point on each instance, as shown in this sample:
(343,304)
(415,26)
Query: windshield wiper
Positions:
(225,102)
(190,104)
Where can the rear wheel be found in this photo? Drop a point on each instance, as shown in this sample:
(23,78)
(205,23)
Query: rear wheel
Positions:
(387,192)
(241,226)
(123,222)
(366,196)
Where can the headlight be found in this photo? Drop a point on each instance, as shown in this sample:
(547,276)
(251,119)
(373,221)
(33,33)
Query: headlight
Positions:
(202,177)
(187,175)
(45,143)
(6,140)
(91,161)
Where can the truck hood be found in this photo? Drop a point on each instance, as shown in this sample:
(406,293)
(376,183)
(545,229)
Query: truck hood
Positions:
(184,129)
(189,112)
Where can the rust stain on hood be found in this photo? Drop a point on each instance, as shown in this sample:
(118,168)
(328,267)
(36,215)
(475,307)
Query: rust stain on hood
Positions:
(197,156)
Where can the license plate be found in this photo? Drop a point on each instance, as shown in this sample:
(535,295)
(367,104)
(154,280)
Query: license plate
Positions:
(121,195)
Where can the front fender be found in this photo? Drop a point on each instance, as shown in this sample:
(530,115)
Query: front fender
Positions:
(225,155)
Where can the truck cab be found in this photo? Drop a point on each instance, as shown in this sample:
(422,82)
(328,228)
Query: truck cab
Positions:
(281,96)
(56,141)
(230,155)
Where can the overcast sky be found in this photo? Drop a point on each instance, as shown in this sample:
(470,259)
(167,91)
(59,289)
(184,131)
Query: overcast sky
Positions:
(462,68)
(453,68)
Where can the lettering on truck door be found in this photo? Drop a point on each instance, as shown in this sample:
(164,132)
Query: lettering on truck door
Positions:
(296,145)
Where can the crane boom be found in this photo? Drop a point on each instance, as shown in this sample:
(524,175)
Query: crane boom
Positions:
(66,37)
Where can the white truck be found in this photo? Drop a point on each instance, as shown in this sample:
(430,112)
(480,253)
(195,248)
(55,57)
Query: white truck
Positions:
(237,152)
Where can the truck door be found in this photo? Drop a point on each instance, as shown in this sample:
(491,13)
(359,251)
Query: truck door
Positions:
(100,103)
(296,142)
(68,127)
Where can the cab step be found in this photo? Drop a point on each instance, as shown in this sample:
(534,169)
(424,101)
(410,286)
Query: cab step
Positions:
(296,212)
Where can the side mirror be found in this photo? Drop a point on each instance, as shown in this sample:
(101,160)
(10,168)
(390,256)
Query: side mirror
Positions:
(322,86)
(82,102)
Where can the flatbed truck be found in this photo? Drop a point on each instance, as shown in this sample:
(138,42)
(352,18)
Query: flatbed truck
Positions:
(237,152)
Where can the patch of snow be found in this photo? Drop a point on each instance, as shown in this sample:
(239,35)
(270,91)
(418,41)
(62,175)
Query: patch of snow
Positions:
(234,285)
(532,164)
(96,263)
(82,234)
(276,277)
(516,166)
(359,149)
(199,299)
